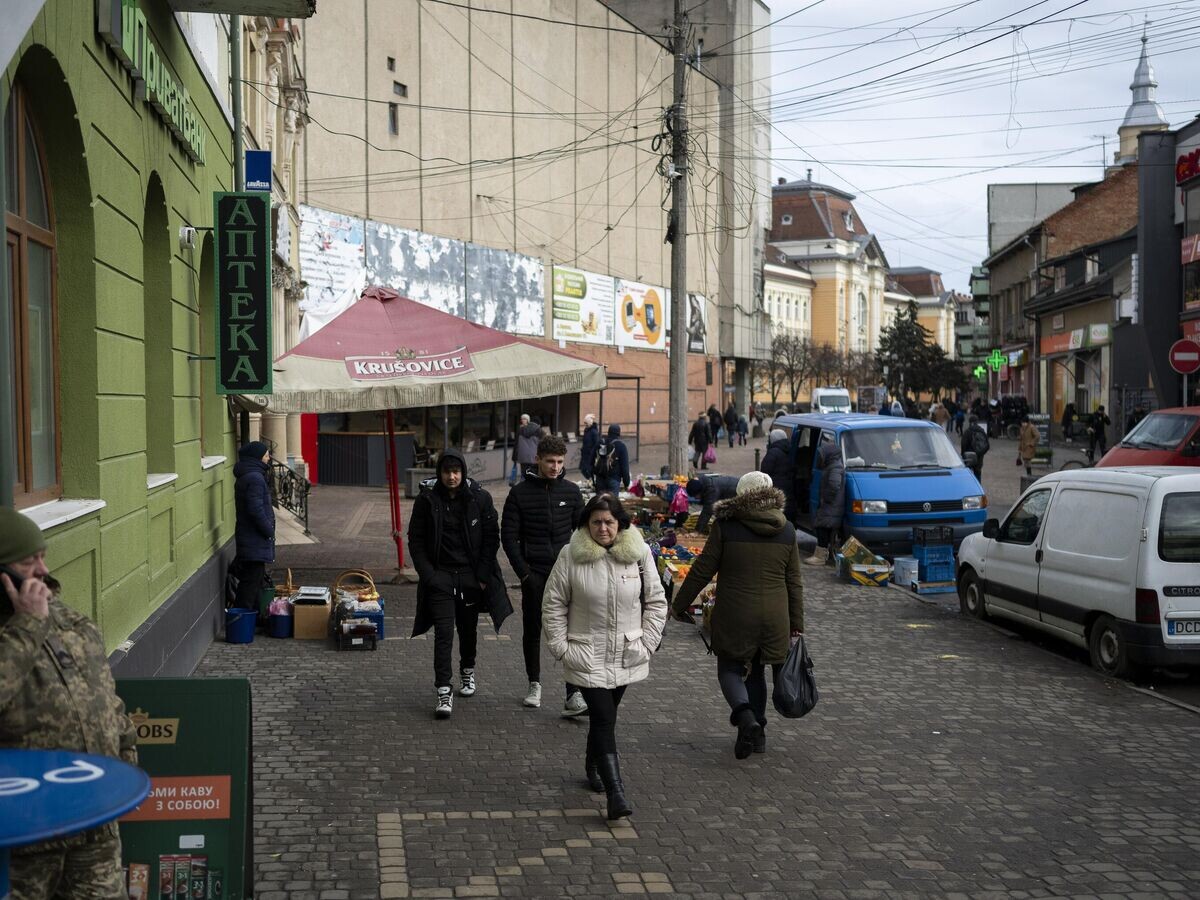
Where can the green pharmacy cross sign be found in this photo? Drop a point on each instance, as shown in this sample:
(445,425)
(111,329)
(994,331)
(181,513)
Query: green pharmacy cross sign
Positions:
(980,372)
(997,360)
(242,233)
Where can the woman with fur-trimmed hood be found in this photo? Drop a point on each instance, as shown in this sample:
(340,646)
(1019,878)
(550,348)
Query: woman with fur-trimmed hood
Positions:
(759,610)
(603,614)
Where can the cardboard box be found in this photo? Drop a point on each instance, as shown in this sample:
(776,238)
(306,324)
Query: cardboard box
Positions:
(312,621)
(870,576)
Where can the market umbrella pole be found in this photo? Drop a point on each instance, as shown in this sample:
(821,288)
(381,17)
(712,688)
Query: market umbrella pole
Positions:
(394,490)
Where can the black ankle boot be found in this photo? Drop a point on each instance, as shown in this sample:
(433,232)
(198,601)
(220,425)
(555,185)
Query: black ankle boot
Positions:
(592,769)
(760,742)
(748,731)
(610,774)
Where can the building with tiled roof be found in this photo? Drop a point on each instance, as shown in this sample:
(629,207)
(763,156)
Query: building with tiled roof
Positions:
(936,306)
(787,293)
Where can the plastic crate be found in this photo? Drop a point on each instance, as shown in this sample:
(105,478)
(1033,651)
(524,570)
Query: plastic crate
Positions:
(377,618)
(927,535)
(937,572)
(927,554)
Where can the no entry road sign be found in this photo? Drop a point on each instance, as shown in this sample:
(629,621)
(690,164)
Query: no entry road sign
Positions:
(1185,356)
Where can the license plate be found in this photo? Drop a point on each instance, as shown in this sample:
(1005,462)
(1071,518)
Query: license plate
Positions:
(1183,627)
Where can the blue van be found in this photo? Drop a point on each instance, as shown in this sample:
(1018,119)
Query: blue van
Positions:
(899,473)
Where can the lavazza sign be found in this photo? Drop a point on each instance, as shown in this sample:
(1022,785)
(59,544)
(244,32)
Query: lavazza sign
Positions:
(122,25)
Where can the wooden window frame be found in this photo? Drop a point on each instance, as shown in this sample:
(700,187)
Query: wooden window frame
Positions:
(19,232)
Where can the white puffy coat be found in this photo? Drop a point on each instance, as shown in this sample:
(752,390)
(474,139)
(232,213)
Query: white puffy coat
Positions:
(592,615)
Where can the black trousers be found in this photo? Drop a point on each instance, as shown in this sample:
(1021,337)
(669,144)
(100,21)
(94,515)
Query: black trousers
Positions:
(746,686)
(250,582)
(532,590)
(602,718)
(455,607)
(978,470)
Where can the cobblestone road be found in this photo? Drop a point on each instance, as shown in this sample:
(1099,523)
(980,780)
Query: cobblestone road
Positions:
(944,759)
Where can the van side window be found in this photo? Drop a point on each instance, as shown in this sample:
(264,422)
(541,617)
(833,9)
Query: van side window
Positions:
(1024,522)
(1082,522)
(1179,528)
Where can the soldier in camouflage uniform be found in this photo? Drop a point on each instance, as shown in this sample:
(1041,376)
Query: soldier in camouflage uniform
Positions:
(56,693)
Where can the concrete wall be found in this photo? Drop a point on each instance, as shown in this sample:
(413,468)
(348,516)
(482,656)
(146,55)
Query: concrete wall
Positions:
(129,308)
(1015,208)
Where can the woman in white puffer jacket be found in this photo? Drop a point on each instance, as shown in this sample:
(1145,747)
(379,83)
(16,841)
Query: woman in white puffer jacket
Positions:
(603,615)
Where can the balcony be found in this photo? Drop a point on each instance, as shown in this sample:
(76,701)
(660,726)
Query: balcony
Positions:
(284,9)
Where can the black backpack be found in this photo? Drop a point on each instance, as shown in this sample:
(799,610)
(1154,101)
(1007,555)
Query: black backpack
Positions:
(980,442)
(600,465)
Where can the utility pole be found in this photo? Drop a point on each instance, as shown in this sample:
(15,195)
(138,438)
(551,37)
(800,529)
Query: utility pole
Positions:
(677,176)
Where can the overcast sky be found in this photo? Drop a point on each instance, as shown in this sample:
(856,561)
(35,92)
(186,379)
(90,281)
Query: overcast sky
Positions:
(910,146)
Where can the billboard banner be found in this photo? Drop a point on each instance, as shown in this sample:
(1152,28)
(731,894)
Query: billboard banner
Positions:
(582,306)
(641,316)
(697,327)
(506,291)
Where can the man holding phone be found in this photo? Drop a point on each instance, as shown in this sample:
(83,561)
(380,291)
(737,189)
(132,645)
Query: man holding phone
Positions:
(56,693)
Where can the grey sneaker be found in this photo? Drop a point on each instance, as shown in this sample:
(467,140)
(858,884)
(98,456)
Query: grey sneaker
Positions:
(534,697)
(575,705)
(445,703)
(468,683)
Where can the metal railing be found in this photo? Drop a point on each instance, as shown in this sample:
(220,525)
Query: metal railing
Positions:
(289,489)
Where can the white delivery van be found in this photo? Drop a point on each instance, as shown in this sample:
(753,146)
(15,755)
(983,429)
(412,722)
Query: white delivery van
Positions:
(1108,559)
(830,400)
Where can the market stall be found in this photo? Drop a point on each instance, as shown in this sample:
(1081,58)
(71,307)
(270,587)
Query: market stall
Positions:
(387,352)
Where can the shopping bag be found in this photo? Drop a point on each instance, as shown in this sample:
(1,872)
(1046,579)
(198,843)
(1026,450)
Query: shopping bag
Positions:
(710,455)
(796,689)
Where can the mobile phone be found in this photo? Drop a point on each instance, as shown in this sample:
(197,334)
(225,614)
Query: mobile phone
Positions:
(13,577)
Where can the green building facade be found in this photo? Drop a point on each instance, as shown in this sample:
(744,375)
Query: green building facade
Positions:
(124,452)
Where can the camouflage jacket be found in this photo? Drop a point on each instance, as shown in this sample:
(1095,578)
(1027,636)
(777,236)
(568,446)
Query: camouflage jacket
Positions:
(57,693)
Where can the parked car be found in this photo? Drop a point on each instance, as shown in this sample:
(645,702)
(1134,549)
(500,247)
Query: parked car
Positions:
(900,473)
(1107,559)
(830,400)
(1166,437)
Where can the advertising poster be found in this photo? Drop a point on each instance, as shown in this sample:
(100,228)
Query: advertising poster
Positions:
(331,256)
(641,316)
(506,291)
(697,326)
(582,306)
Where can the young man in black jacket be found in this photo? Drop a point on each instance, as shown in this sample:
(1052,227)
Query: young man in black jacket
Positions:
(540,515)
(453,538)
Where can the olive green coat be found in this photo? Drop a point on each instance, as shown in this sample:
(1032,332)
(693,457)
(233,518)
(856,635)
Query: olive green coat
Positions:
(760,599)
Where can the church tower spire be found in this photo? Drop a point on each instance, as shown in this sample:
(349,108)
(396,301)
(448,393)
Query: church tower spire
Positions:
(1144,113)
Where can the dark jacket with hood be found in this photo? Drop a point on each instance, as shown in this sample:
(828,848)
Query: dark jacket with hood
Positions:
(430,514)
(731,419)
(713,488)
(833,486)
(540,514)
(714,420)
(760,598)
(525,451)
(254,531)
(699,437)
(587,449)
(778,464)
(618,456)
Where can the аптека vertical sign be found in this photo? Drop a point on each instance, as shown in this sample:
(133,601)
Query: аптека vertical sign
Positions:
(242,229)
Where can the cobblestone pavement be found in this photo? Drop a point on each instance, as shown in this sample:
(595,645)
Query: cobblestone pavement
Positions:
(945,759)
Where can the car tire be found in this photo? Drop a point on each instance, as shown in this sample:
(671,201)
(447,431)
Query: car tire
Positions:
(970,595)
(1107,649)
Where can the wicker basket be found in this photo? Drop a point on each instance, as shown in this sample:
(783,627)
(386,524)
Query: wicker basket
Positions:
(356,583)
(286,589)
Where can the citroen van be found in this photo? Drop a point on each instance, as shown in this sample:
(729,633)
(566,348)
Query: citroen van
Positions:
(900,473)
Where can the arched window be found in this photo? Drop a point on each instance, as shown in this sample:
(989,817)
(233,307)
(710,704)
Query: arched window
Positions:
(29,240)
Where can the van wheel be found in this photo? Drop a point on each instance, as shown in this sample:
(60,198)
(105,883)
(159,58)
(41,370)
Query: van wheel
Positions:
(970,595)
(1107,648)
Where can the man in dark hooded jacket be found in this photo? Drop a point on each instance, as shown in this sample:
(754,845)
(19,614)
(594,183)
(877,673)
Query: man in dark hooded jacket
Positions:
(700,437)
(254,528)
(540,515)
(709,489)
(453,537)
(611,474)
(778,464)
(828,519)
(587,448)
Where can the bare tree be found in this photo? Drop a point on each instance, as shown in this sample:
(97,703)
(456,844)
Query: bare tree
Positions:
(773,371)
(827,364)
(798,363)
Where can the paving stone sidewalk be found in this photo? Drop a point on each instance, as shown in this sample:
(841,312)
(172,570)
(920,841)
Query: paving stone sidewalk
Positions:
(944,760)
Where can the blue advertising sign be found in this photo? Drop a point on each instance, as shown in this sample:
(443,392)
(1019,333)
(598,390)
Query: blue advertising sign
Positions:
(47,794)
(258,170)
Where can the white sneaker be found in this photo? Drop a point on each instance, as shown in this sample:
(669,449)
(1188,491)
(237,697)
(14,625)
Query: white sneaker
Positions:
(817,559)
(575,705)
(445,703)
(534,697)
(468,683)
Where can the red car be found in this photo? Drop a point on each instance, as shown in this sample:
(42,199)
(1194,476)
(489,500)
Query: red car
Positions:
(1166,437)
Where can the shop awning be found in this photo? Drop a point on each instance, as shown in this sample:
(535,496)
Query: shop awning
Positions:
(389,352)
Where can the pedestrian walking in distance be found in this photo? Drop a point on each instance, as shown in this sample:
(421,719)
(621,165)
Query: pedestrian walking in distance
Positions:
(58,694)
(759,609)
(603,615)
(832,508)
(610,469)
(731,421)
(699,437)
(1028,442)
(525,449)
(453,537)
(587,447)
(540,515)
(254,529)
(975,440)
(1098,433)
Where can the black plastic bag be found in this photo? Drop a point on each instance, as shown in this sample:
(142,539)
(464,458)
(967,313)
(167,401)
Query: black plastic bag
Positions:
(796,690)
